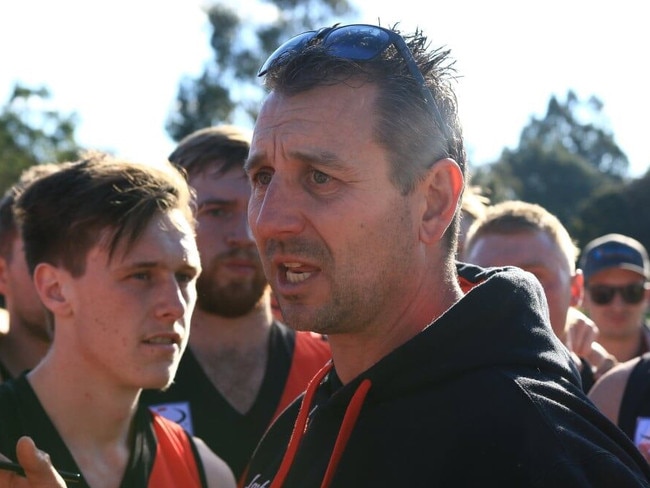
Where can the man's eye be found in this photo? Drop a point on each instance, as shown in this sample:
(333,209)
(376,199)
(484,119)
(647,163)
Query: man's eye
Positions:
(142,275)
(320,177)
(262,178)
(220,212)
(184,277)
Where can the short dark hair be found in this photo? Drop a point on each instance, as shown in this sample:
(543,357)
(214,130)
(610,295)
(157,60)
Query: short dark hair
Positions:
(8,229)
(227,145)
(406,125)
(63,215)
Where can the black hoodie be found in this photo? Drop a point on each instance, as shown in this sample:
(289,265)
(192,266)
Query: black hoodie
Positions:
(486,396)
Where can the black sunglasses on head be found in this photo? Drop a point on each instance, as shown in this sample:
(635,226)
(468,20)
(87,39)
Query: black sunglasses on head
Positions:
(604,294)
(357,42)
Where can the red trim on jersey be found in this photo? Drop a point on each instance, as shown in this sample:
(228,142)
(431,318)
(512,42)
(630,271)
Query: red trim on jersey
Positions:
(311,351)
(175,464)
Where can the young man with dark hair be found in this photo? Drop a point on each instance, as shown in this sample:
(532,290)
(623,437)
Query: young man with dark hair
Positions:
(111,249)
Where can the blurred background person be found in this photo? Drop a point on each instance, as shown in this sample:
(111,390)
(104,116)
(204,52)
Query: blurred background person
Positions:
(516,233)
(472,208)
(29,335)
(616,295)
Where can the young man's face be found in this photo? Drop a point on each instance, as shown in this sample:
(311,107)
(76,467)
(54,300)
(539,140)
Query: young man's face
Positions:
(129,318)
(617,318)
(232,282)
(338,241)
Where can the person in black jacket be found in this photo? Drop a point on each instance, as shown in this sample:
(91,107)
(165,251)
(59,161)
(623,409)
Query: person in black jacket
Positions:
(442,374)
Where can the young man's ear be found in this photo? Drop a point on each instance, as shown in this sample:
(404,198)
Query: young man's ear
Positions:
(50,286)
(443,187)
(4,272)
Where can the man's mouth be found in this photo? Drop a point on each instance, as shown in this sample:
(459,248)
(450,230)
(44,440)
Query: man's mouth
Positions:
(294,274)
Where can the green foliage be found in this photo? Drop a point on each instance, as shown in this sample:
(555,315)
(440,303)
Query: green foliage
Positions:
(30,136)
(563,160)
(624,209)
(575,126)
(228,90)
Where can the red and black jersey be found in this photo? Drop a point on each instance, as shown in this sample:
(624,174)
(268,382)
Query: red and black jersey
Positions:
(162,454)
(194,402)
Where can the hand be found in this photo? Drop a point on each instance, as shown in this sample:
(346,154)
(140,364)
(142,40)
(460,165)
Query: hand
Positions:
(580,331)
(601,360)
(39,472)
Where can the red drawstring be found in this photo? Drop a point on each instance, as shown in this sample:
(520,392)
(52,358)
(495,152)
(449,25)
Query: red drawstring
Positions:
(349,420)
(300,426)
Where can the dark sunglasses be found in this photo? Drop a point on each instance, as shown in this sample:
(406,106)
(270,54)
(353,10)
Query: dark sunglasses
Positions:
(604,294)
(356,42)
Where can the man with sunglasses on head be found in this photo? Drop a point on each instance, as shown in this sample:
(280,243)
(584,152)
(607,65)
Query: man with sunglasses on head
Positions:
(443,374)
(616,275)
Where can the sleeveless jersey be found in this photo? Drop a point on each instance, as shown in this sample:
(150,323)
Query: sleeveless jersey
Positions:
(162,454)
(194,402)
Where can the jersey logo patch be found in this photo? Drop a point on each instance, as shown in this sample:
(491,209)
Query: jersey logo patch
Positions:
(642,432)
(178,412)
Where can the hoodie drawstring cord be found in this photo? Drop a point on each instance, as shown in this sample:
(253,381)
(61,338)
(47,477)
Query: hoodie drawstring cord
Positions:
(349,420)
(299,426)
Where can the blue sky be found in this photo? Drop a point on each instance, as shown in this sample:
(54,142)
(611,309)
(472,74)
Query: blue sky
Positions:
(117,64)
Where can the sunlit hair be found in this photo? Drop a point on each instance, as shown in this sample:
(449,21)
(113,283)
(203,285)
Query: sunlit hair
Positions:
(474,203)
(224,145)
(405,125)
(515,216)
(97,199)
(8,229)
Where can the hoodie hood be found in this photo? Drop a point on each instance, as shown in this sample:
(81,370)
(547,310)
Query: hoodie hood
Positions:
(502,321)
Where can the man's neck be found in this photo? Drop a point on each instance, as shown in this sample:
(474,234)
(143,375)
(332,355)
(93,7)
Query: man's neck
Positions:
(20,350)
(93,419)
(354,353)
(233,353)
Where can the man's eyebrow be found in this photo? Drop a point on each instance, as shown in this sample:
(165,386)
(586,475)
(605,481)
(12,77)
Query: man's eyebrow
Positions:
(153,265)
(214,201)
(324,157)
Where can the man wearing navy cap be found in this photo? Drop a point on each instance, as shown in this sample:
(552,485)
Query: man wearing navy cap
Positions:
(616,273)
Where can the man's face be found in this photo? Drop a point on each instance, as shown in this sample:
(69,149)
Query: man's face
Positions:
(616,319)
(537,253)
(232,282)
(129,318)
(22,301)
(338,242)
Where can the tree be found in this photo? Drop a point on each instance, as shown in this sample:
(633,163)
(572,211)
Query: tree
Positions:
(228,89)
(29,136)
(625,210)
(562,160)
(577,126)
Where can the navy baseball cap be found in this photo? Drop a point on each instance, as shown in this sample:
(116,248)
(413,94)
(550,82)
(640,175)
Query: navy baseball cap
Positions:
(614,251)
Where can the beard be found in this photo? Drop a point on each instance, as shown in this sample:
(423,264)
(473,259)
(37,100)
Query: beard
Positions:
(232,299)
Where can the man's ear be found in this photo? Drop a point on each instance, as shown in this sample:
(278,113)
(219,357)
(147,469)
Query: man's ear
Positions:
(442,188)
(577,288)
(50,286)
